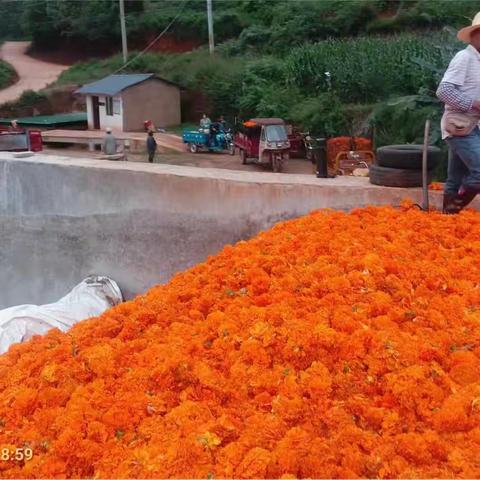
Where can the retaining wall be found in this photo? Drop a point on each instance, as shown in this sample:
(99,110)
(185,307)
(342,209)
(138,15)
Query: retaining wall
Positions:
(63,218)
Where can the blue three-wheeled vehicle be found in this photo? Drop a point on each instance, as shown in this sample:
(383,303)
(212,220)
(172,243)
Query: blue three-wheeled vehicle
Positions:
(217,138)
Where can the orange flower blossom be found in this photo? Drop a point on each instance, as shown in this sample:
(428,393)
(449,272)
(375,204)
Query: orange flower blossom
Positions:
(334,345)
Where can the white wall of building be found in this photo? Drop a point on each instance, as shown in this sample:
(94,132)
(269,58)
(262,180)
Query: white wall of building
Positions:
(115,121)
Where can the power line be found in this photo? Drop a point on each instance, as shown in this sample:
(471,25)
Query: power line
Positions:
(154,40)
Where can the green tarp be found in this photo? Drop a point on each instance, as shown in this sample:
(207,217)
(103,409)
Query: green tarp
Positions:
(48,120)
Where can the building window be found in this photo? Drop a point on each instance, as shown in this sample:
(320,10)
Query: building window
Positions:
(109,105)
(116,106)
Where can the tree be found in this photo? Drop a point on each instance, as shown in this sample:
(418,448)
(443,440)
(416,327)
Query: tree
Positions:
(10,19)
(91,21)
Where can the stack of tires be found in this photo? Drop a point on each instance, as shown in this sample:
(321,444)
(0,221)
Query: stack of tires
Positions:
(401,165)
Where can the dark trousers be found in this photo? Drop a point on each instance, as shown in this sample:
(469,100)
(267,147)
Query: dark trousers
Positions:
(151,156)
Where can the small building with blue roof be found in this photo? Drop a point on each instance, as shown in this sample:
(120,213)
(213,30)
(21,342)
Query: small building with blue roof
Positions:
(124,102)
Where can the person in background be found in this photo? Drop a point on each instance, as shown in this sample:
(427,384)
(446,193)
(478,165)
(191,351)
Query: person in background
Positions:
(214,131)
(459,90)
(149,126)
(109,143)
(205,122)
(151,147)
(14,126)
(223,123)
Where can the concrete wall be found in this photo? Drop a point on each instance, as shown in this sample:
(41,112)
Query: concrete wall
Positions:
(151,100)
(64,218)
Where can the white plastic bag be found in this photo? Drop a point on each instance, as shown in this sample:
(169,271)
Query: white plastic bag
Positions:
(89,298)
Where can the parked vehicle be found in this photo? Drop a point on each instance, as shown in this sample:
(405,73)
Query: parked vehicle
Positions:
(297,142)
(310,144)
(264,141)
(20,140)
(213,139)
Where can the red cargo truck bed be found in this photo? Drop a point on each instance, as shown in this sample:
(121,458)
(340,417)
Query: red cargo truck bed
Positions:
(20,140)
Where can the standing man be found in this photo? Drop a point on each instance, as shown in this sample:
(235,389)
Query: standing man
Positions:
(460,91)
(109,143)
(151,147)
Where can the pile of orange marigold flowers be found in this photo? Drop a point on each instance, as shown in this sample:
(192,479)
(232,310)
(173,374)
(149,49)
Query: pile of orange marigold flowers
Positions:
(436,186)
(345,144)
(333,345)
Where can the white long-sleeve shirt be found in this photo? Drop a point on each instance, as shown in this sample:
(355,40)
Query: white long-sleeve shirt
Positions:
(460,85)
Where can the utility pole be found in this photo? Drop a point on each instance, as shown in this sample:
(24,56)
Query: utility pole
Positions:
(124,32)
(210,26)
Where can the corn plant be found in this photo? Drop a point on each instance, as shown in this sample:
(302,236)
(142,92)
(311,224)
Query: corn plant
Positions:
(367,69)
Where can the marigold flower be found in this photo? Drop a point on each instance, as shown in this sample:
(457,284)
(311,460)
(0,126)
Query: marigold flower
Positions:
(336,345)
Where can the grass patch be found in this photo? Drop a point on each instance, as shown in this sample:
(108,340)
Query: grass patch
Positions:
(8,75)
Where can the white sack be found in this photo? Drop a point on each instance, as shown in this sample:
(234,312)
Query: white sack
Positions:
(89,298)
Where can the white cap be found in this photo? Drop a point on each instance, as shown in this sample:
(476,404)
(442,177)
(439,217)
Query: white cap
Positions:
(108,130)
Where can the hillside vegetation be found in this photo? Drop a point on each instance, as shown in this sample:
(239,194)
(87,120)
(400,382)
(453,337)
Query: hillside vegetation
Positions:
(331,66)
(7,74)
(336,86)
(262,25)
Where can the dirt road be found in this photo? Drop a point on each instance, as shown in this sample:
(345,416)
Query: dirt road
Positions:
(212,160)
(187,159)
(166,140)
(33,74)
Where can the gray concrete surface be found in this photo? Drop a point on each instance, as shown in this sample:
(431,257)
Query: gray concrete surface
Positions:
(63,218)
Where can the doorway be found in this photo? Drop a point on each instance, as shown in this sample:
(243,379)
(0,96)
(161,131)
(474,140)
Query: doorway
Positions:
(96,113)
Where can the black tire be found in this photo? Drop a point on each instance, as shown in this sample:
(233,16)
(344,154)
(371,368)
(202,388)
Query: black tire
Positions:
(395,177)
(193,148)
(407,157)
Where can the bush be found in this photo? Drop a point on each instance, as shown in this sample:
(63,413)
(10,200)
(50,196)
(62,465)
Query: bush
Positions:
(7,74)
(254,37)
(324,115)
(266,99)
(439,13)
(11,20)
(29,103)
(221,80)
(402,120)
(29,98)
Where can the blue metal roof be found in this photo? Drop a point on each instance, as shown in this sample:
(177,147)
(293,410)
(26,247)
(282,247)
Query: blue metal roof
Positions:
(114,84)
